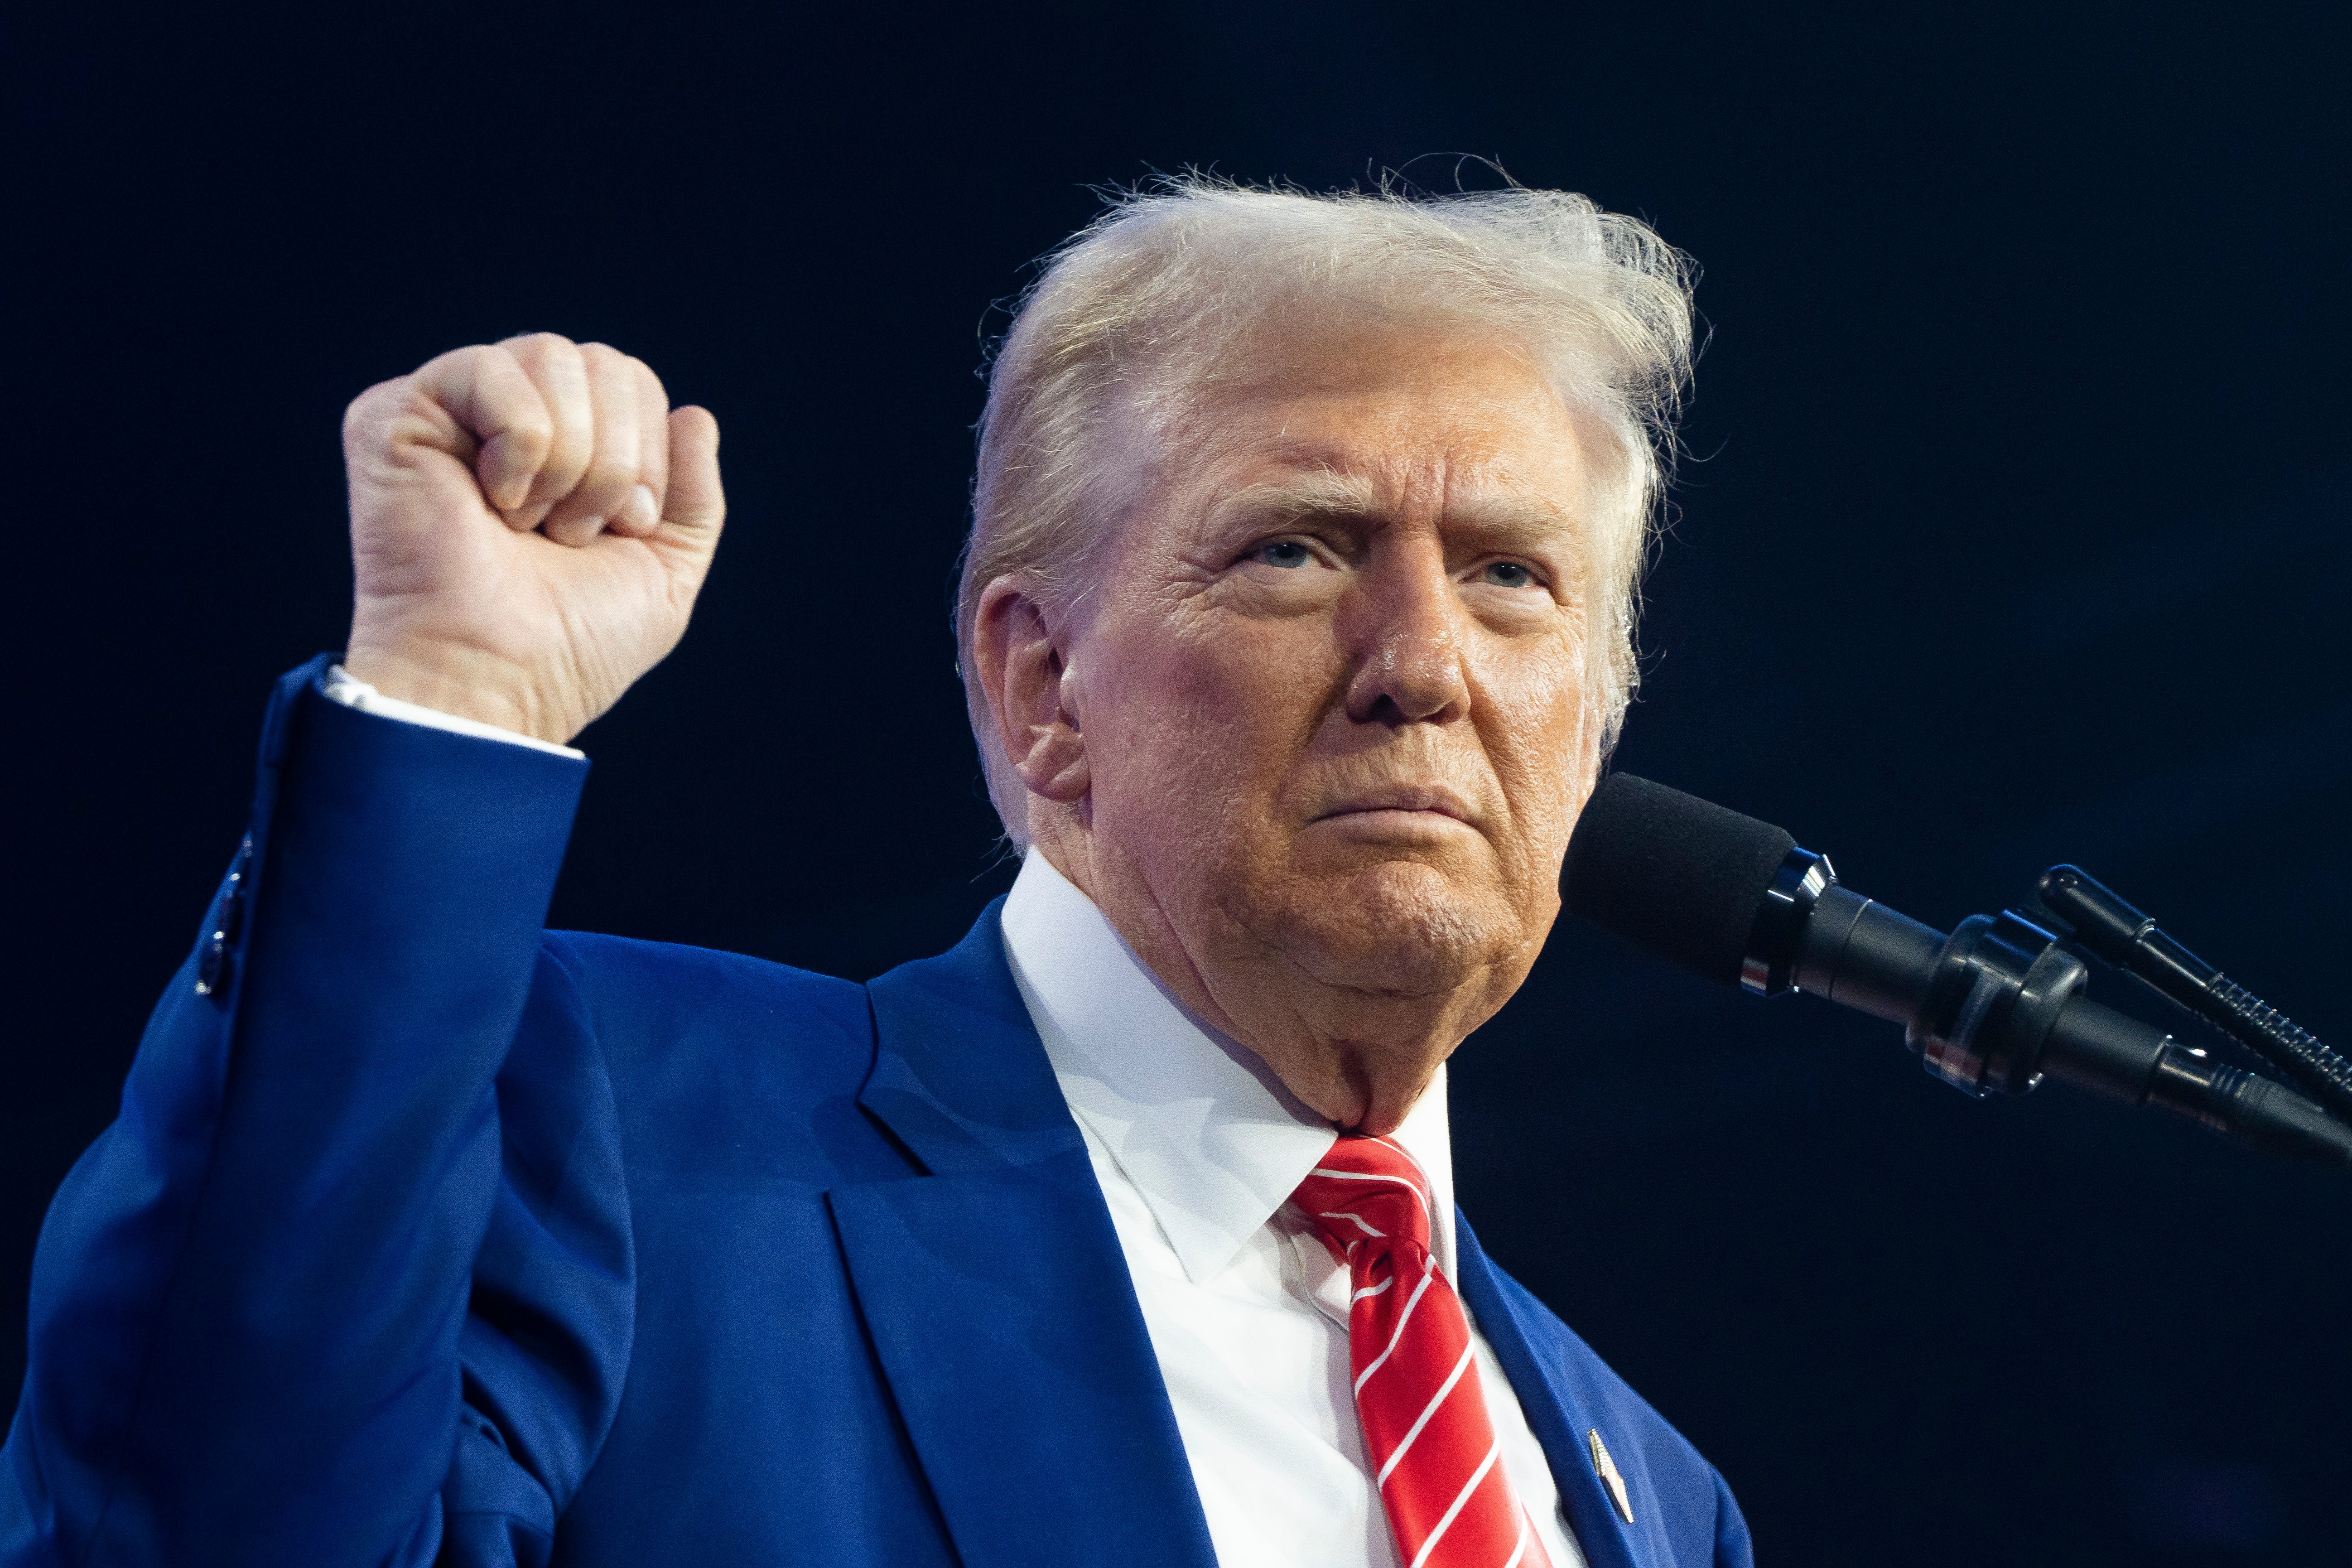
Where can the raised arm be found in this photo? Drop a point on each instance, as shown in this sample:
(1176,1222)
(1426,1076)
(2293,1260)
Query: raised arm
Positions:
(251,1338)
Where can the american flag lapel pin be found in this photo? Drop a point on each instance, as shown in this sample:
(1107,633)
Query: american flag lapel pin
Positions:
(1606,1469)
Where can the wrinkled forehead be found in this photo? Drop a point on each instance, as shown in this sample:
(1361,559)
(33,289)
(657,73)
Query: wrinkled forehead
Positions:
(1380,420)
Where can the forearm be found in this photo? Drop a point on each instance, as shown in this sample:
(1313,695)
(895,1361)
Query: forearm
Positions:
(248,1295)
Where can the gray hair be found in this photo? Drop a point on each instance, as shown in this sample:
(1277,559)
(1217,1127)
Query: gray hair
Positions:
(1139,310)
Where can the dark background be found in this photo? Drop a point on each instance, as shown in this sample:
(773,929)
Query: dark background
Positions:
(2016,533)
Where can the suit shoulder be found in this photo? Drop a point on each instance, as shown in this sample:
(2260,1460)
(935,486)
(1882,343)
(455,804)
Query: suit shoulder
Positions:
(646,1000)
(722,1067)
(611,961)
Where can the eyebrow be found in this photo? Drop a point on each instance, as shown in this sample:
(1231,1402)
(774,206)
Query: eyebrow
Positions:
(1330,493)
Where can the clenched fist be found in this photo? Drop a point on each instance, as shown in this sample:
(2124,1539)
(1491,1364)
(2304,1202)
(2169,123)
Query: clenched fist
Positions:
(530,522)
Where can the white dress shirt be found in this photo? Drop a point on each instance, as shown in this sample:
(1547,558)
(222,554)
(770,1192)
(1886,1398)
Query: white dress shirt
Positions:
(353,692)
(1198,1147)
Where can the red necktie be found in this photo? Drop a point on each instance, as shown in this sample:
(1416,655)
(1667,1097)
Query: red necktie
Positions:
(1438,1467)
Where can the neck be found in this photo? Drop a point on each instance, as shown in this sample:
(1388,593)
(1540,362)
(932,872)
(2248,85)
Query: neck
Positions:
(1358,1056)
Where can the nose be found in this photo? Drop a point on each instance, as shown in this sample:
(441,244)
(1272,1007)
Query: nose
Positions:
(1402,624)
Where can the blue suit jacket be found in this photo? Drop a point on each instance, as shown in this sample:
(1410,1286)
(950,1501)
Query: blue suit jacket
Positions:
(425,1235)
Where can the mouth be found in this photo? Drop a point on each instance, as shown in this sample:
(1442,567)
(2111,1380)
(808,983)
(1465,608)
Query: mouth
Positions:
(1400,801)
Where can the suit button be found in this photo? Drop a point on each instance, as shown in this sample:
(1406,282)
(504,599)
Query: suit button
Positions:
(227,921)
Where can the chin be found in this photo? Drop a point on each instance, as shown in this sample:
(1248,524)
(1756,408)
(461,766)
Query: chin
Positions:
(1399,926)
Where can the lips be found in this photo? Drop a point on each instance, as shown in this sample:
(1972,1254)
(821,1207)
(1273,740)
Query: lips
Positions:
(1438,799)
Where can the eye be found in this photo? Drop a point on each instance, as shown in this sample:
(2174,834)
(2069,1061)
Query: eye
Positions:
(1508,575)
(1283,552)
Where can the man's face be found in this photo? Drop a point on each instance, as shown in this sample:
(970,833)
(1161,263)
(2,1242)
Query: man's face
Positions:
(1334,681)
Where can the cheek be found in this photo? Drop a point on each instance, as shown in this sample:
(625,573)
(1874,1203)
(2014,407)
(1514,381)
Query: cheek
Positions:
(1193,727)
(1540,731)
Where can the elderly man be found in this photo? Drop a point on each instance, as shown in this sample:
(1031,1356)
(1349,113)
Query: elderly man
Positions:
(1295,620)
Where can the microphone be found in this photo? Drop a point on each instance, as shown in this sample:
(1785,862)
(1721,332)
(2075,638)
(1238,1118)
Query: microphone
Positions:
(1993,1007)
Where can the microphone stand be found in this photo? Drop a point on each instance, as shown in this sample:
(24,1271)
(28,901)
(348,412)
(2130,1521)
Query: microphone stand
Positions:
(1993,1008)
(1997,1005)
(2104,925)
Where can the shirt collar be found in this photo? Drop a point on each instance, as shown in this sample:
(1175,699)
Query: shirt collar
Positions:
(1208,1135)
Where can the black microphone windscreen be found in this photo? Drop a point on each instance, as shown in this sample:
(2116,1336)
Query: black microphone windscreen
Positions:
(1673,873)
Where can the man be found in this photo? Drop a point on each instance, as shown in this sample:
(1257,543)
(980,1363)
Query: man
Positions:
(1296,619)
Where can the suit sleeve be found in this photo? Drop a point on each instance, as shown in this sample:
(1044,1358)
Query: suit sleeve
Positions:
(251,1329)
(1732,1547)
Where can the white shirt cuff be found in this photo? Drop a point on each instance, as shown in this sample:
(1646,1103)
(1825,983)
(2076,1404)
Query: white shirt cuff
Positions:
(353,692)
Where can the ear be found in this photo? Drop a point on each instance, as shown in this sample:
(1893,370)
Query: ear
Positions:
(1025,673)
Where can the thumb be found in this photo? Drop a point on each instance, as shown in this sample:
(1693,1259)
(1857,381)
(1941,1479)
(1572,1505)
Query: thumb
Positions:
(695,506)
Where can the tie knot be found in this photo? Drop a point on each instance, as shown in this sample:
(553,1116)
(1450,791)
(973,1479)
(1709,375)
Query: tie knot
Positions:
(1366,1189)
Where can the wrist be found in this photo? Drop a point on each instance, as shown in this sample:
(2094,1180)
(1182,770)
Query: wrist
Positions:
(462,683)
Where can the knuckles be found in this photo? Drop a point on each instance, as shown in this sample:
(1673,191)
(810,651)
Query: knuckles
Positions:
(530,347)
(467,396)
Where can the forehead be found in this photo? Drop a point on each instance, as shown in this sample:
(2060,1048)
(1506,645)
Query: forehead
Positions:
(1396,420)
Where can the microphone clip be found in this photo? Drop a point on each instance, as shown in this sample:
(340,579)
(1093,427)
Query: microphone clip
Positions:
(1998,988)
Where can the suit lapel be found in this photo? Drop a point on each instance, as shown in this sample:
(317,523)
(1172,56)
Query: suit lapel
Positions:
(1559,1422)
(996,1292)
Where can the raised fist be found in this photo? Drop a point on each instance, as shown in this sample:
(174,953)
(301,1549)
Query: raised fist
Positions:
(530,522)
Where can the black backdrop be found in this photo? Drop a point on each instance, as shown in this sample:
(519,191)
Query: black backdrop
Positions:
(2017,532)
